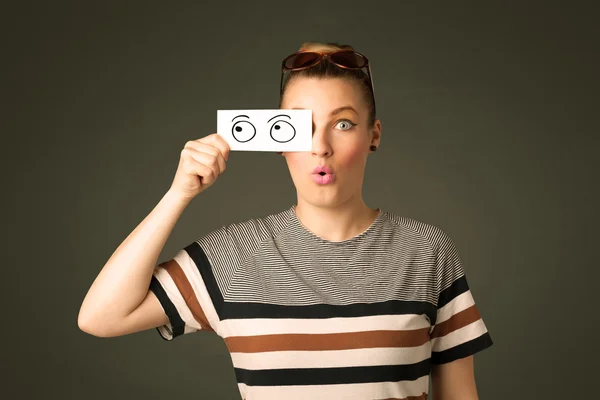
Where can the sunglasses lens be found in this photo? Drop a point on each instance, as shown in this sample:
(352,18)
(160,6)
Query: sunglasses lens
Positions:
(349,59)
(300,60)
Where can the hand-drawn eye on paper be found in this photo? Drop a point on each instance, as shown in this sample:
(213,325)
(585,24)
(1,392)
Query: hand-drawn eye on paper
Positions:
(243,131)
(282,131)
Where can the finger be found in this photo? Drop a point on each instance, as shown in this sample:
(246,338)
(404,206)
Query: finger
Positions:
(193,167)
(206,159)
(207,175)
(218,145)
(209,149)
(219,142)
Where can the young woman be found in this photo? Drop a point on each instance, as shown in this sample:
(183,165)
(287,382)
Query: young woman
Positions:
(328,299)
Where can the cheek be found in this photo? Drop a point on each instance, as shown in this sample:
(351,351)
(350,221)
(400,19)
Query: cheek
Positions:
(295,163)
(353,158)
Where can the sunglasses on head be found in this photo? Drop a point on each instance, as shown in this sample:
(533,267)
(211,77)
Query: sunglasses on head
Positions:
(347,59)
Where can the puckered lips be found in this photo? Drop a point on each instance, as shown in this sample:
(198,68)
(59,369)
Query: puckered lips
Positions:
(323,175)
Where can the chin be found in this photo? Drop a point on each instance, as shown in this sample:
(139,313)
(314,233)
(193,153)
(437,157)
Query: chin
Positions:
(323,200)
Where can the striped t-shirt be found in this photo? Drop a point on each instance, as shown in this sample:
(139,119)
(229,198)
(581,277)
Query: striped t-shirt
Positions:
(307,318)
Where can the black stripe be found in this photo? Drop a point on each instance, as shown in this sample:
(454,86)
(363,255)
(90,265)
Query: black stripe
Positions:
(244,310)
(463,350)
(199,257)
(458,287)
(329,376)
(234,310)
(174,318)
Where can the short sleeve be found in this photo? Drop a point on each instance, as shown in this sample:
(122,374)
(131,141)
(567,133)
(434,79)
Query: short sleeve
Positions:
(180,290)
(185,286)
(459,330)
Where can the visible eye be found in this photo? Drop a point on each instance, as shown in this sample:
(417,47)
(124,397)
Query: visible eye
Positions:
(346,125)
(243,131)
(282,131)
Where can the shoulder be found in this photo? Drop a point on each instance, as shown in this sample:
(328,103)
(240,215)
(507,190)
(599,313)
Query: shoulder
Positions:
(433,243)
(429,241)
(425,233)
(247,233)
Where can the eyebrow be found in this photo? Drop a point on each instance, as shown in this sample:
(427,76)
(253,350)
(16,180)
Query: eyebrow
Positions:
(280,115)
(334,112)
(240,116)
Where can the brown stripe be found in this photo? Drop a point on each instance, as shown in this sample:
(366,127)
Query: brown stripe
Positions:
(457,321)
(421,397)
(185,288)
(327,341)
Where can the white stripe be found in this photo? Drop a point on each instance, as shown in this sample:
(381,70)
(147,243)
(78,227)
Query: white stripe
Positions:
(197,283)
(331,358)
(271,326)
(458,304)
(459,336)
(377,390)
(165,330)
(176,298)
(166,333)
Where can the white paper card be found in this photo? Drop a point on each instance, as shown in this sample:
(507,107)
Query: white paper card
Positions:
(266,130)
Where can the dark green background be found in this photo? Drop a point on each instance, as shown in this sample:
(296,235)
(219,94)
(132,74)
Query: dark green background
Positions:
(489,117)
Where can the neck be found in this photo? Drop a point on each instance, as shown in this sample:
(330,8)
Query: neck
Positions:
(336,223)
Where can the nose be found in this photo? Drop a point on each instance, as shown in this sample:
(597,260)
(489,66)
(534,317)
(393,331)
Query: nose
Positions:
(321,145)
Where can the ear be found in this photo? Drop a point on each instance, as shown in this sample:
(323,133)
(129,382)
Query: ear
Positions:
(376,133)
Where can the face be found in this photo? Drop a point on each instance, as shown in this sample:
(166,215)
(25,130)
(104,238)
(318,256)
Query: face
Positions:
(341,139)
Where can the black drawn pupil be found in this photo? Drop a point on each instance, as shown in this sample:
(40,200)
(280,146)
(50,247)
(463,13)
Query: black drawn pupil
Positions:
(285,135)
(238,128)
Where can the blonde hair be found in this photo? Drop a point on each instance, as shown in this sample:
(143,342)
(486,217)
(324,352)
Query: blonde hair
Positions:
(326,69)
(324,47)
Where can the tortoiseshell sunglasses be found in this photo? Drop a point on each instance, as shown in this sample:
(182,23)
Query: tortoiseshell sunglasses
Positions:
(347,59)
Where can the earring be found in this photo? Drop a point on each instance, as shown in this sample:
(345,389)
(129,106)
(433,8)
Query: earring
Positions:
(373,147)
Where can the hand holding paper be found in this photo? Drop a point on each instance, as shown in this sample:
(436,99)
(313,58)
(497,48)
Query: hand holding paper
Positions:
(266,130)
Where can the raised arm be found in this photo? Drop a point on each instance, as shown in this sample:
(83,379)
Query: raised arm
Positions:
(119,300)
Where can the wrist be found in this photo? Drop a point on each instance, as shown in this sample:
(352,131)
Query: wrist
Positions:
(177,198)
